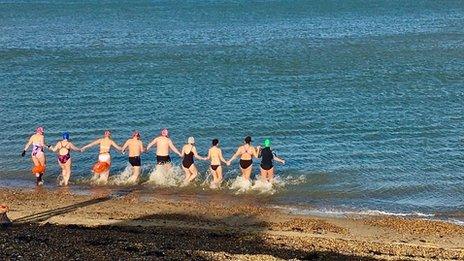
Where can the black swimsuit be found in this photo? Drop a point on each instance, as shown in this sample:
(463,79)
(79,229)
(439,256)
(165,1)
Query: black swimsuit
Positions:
(244,164)
(215,167)
(188,160)
(267,157)
(161,160)
(135,161)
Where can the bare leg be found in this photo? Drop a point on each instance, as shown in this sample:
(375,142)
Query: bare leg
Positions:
(194,173)
(270,175)
(219,175)
(263,174)
(246,173)
(135,174)
(104,176)
(38,161)
(187,176)
(67,172)
(167,167)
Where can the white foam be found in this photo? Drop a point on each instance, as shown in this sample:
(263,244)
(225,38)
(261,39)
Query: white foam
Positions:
(162,178)
(123,178)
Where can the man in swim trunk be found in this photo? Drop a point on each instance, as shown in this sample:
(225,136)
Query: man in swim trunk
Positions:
(163,144)
(135,146)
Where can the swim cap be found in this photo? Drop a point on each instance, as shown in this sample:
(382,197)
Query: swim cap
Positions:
(165,132)
(107,133)
(267,143)
(191,140)
(65,136)
(247,139)
(136,134)
(39,130)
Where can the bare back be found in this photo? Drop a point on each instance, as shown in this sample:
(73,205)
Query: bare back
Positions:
(37,139)
(215,155)
(135,147)
(105,145)
(247,152)
(162,146)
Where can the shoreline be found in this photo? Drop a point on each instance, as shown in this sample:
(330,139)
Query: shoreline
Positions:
(259,232)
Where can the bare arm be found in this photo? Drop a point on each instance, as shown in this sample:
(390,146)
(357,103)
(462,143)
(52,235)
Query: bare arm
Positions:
(222,158)
(195,154)
(71,146)
(255,152)
(91,144)
(116,145)
(152,143)
(54,148)
(279,159)
(173,148)
(238,153)
(141,147)
(124,147)
(28,144)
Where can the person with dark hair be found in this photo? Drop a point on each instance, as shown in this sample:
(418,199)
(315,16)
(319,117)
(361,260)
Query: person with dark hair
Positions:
(246,153)
(215,155)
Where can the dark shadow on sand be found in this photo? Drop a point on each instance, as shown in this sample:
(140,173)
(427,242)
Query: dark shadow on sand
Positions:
(42,216)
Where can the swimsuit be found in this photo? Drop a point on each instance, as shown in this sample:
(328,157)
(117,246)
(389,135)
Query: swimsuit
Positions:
(244,164)
(267,156)
(135,161)
(215,167)
(161,160)
(104,157)
(188,160)
(37,150)
(64,158)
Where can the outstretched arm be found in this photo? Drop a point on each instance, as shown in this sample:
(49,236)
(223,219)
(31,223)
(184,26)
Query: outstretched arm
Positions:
(54,148)
(222,158)
(71,146)
(173,148)
(116,145)
(152,143)
(124,147)
(238,153)
(28,144)
(91,144)
(279,160)
(195,154)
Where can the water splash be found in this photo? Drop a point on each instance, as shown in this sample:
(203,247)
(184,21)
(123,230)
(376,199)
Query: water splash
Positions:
(123,178)
(162,178)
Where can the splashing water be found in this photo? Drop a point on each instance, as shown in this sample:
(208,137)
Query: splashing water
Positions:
(123,178)
(240,184)
(160,177)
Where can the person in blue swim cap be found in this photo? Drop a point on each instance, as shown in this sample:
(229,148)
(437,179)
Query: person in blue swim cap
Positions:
(267,157)
(64,148)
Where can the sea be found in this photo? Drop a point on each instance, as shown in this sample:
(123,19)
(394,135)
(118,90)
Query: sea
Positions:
(363,99)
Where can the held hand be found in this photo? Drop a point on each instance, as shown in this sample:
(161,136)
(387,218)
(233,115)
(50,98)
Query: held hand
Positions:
(23,153)
(82,149)
(283,162)
(228,163)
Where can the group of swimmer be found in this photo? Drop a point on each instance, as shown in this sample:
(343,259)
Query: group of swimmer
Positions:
(164,146)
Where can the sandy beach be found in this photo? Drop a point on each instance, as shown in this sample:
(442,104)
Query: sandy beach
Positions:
(121,224)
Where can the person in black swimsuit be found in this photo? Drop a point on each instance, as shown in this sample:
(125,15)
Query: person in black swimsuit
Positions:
(246,153)
(135,146)
(64,148)
(189,152)
(267,157)
(215,155)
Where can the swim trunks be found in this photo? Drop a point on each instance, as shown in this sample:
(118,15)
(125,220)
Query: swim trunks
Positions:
(135,161)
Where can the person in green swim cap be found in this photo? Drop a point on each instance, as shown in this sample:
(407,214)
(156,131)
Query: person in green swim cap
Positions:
(267,157)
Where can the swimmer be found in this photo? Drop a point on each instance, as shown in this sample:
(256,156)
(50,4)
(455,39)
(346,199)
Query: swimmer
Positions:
(189,151)
(267,157)
(104,156)
(215,155)
(246,153)
(38,155)
(163,144)
(135,146)
(64,148)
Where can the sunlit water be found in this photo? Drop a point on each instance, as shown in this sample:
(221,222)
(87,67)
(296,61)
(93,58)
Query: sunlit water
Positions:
(364,99)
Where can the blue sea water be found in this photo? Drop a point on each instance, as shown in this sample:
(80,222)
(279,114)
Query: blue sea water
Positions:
(364,99)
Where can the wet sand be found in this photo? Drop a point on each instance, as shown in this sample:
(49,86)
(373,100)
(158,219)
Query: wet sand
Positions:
(110,224)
